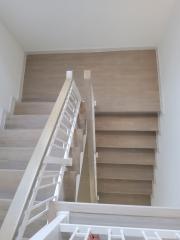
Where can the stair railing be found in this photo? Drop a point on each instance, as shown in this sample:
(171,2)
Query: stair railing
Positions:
(102,220)
(91,134)
(53,148)
(60,225)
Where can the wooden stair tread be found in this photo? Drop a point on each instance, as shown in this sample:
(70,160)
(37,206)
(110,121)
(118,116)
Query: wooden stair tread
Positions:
(26,121)
(126,144)
(124,186)
(33,108)
(128,111)
(4,206)
(9,181)
(15,158)
(121,139)
(127,122)
(126,156)
(124,172)
(13,153)
(125,199)
(69,186)
(19,137)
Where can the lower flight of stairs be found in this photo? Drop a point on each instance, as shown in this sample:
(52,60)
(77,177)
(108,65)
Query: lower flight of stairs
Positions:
(126,146)
(17,142)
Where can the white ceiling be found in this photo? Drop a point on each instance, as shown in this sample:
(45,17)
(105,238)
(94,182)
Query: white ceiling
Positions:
(57,25)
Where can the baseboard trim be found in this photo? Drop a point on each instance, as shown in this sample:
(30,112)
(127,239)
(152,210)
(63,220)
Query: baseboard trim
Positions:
(22,79)
(12,104)
(3,115)
(93,50)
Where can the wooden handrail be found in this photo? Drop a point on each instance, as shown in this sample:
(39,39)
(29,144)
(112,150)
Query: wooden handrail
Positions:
(25,188)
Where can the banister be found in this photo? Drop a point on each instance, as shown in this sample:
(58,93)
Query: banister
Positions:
(91,135)
(25,188)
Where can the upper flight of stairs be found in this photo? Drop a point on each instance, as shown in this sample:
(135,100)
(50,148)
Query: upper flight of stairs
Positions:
(17,142)
(126,146)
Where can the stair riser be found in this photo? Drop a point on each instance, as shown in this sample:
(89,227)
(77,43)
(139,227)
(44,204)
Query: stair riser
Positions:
(26,122)
(33,108)
(125,122)
(15,164)
(69,186)
(126,156)
(125,199)
(9,181)
(124,172)
(125,187)
(13,154)
(19,138)
(4,206)
(126,140)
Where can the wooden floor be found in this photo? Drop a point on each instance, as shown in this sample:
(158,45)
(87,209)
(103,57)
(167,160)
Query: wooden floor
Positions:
(124,81)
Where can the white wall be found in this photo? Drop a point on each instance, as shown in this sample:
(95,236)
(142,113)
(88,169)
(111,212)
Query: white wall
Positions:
(167,185)
(11,67)
(86,24)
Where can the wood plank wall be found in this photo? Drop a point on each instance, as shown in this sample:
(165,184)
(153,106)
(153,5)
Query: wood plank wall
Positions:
(124,81)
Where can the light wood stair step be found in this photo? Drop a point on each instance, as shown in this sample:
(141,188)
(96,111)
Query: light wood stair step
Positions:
(69,186)
(9,181)
(26,121)
(19,137)
(126,156)
(121,139)
(126,199)
(33,108)
(4,206)
(127,122)
(119,106)
(12,153)
(124,172)
(124,186)
(75,153)
(15,158)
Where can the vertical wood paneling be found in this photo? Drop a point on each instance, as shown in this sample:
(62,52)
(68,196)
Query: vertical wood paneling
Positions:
(124,81)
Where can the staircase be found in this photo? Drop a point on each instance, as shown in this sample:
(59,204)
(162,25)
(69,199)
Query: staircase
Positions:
(44,142)
(18,140)
(126,145)
(126,91)
(31,151)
